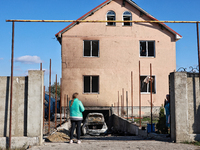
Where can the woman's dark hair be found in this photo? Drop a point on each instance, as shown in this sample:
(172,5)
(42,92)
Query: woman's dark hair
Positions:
(73,97)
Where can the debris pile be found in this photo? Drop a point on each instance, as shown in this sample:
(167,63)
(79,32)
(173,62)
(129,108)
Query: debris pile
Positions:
(59,136)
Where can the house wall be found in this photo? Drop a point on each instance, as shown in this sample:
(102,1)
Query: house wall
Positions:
(184,106)
(119,55)
(27,110)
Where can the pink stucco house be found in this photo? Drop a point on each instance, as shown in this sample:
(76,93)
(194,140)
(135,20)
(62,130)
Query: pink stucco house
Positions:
(98,58)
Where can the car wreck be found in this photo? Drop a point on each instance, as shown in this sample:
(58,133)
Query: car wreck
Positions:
(94,124)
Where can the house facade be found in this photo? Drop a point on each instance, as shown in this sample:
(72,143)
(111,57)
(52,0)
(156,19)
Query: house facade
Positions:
(98,58)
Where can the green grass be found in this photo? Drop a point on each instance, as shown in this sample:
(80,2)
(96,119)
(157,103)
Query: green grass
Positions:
(197,143)
(146,120)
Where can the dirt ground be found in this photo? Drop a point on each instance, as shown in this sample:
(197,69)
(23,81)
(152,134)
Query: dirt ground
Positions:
(60,140)
(114,143)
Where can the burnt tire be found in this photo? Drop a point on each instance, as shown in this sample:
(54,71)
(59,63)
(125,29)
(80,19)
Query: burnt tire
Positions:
(83,130)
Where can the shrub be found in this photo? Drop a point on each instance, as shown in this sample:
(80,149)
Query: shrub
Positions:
(161,125)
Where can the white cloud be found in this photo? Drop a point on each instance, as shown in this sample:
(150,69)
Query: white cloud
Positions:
(28,59)
(1,58)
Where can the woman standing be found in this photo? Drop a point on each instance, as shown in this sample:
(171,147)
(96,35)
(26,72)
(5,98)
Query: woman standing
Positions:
(76,108)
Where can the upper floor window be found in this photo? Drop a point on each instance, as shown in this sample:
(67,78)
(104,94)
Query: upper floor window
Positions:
(111,16)
(127,16)
(147,48)
(91,48)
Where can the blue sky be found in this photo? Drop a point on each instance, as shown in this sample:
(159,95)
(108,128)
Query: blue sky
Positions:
(36,42)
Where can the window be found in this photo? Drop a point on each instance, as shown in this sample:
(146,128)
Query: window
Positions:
(111,16)
(91,84)
(145,84)
(127,16)
(91,48)
(147,48)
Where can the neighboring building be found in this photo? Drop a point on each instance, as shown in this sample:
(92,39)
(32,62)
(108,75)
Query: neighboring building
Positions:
(97,58)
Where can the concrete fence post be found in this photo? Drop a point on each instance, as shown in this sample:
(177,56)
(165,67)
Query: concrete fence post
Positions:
(35,104)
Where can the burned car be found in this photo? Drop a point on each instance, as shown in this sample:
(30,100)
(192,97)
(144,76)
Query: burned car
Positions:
(94,124)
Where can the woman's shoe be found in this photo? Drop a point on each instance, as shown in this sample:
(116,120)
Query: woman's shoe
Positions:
(71,141)
(79,142)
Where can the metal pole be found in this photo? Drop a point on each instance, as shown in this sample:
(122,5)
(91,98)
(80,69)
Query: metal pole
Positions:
(41,66)
(123,100)
(11,86)
(60,101)
(56,105)
(127,103)
(67,107)
(118,104)
(198,48)
(43,106)
(139,96)
(49,97)
(132,93)
(121,106)
(64,107)
(93,21)
(151,96)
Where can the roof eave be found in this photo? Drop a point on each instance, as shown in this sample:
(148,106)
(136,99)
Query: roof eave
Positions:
(59,34)
(177,36)
(83,17)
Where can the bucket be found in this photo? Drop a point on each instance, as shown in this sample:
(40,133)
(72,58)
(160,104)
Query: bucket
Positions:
(149,128)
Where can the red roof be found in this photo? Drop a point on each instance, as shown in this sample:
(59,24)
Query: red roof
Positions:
(178,36)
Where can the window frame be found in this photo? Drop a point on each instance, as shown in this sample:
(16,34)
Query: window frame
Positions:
(154,51)
(127,20)
(91,50)
(148,85)
(114,23)
(90,92)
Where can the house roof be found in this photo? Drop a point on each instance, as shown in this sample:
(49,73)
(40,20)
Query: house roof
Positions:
(58,35)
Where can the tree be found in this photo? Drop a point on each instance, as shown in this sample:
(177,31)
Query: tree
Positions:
(53,90)
(161,125)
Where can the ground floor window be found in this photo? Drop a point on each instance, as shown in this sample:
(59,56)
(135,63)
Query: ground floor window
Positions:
(91,84)
(145,84)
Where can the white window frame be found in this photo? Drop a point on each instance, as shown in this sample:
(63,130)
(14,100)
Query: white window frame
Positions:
(127,15)
(114,23)
(148,85)
(90,48)
(91,84)
(147,48)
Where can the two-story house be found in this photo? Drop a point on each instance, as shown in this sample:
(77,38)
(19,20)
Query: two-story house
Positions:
(98,58)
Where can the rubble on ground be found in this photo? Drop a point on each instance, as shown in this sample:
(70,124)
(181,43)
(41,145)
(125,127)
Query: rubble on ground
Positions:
(59,136)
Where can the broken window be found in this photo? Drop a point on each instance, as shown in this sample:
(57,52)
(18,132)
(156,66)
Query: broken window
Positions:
(111,16)
(127,16)
(91,48)
(91,84)
(147,48)
(146,84)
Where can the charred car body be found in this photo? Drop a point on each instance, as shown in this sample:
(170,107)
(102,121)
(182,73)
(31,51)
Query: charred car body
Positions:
(94,124)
